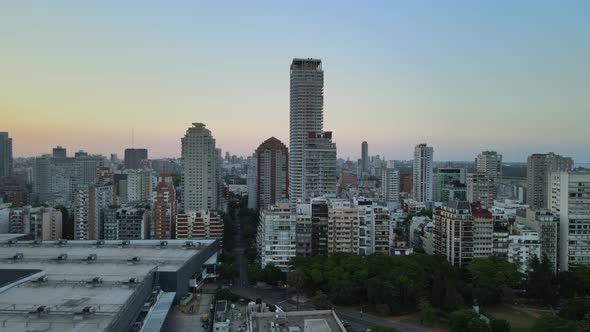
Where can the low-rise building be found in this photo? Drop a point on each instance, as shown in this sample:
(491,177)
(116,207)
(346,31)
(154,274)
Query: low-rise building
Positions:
(523,244)
(201,225)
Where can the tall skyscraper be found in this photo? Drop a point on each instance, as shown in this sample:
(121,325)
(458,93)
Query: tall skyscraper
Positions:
(199,176)
(5,155)
(482,184)
(569,198)
(365,157)
(135,158)
(251,181)
(307,104)
(390,183)
(272,172)
(59,152)
(319,166)
(537,176)
(164,209)
(423,178)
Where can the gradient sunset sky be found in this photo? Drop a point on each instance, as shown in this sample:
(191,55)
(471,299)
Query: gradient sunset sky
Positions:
(462,76)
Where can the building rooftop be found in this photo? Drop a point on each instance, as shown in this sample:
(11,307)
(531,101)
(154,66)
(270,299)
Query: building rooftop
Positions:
(304,321)
(82,285)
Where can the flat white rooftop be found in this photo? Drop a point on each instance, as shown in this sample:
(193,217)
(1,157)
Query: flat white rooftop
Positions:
(104,283)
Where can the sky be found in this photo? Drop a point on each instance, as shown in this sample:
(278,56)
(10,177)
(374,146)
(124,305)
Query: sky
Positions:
(462,76)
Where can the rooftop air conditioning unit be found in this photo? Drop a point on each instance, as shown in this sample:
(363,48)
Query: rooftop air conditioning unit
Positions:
(99,242)
(91,257)
(190,244)
(97,280)
(135,259)
(12,241)
(37,241)
(133,280)
(18,256)
(43,279)
(125,242)
(163,243)
(42,309)
(88,310)
(62,257)
(62,242)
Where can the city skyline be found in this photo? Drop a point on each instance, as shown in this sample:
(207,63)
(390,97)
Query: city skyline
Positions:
(463,78)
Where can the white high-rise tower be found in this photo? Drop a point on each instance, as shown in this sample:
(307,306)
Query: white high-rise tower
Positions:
(423,177)
(307,104)
(199,176)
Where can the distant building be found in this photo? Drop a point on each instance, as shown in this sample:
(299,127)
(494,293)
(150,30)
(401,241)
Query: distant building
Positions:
(199,178)
(164,209)
(406,185)
(523,245)
(59,152)
(5,155)
(390,184)
(135,158)
(42,223)
(539,166)
(364,157)
(546,224)
(423,176)
(272,180)
(482,184)
(320,176)
(453,233)
(343,227)
(139,185)
(306,109)
(200,225)
(276,236)
(252,181)
(90,204)
(569,198)
(319,226)
(125,223)
(449,185)
(13,191)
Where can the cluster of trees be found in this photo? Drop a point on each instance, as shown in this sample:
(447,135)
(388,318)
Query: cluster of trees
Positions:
(467,320)
(249,226)
(388,284)
(269,274)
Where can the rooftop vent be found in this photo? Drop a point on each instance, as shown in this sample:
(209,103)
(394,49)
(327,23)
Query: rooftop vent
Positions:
(189,244)
(135,259)
(91,257)
(163,243)
(18,256)
(42,279)
(61,242)
(12,241)
(37,241)
(88,310)
(133,280)
(99,242)
(42,309)
(125,242)
(62,257)
(95,280)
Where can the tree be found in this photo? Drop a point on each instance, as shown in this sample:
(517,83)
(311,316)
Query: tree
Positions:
(272,275)
(224,294)
(575,309)
(321,301)
(296,279)
(459,320)
(426,313)
(491,276)
(68,223)
(548,323)
(500,325)
(478,325)
(226,271)
(541,281)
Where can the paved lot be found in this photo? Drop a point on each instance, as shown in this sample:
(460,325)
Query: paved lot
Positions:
(181,322)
